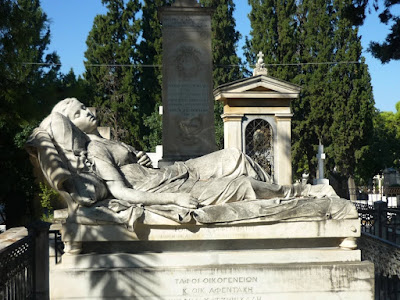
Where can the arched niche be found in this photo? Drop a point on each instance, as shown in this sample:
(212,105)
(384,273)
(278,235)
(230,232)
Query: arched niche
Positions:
(259,140)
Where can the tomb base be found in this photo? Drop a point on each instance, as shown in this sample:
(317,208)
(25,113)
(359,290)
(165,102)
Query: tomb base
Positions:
(215,275)
(294,260)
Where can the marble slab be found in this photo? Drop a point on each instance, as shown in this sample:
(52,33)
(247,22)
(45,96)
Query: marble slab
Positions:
(322,280)
(242,231)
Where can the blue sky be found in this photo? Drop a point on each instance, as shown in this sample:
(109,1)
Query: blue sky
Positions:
(71,21)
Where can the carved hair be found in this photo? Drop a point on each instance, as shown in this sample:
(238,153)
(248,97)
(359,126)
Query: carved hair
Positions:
(63,106)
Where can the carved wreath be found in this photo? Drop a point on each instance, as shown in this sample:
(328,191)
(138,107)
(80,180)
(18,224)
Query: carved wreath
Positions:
(188,62)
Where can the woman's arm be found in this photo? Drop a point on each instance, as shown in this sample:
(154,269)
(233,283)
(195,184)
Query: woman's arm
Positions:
(119,190)
(114,179)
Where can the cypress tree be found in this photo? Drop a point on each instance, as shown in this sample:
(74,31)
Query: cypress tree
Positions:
(225,60)
(263,20)
(353,104)
(274,33)
(289,34)
(111,72)
(312,110)
(25,81)
(335,105)
(150,55)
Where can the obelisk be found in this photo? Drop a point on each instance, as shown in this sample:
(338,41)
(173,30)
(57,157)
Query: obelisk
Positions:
(188,108)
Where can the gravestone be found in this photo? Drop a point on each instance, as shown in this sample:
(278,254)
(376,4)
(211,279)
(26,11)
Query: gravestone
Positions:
(188,117)
(321,157)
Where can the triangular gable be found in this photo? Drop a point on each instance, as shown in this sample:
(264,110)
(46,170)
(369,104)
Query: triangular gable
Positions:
(261,83)
(261,89)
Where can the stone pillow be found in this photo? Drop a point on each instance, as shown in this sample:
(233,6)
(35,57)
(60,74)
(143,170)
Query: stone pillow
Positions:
(86,188)
(83,185)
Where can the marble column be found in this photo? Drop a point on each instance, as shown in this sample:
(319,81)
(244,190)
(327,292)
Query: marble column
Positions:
(233,131)
(283,154)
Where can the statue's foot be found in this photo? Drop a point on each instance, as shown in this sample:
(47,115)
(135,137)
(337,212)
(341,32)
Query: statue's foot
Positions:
(322,190)
(298,190)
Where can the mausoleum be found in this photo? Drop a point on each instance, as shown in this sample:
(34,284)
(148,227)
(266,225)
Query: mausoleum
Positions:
(257,120)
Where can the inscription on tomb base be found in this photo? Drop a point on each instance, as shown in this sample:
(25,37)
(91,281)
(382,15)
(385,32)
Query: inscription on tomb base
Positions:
(217,284)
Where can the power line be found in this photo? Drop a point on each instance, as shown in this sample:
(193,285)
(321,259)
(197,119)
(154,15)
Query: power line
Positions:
(299,64)
(232,66)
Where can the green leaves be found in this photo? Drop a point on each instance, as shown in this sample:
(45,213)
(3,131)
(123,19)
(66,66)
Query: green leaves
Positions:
(226,63)
(29,85)
(336,104)
(111,73)
(149,86)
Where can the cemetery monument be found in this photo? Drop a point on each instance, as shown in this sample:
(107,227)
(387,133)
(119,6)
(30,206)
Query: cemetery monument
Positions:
(257,120)
(188,119)
(211,227)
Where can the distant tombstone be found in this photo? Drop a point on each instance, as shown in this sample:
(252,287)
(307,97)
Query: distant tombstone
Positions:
(320,179)
(188,109)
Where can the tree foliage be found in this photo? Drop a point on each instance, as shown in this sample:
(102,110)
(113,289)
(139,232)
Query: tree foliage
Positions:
(385,145)
(29,79)
(383,152)
(335,104)
(111,72)
(312,114)
(226,63)
(390,48)
(150,81)
(353,105)
(273,31)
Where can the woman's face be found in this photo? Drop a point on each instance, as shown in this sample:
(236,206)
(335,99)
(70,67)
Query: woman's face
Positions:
(82,117)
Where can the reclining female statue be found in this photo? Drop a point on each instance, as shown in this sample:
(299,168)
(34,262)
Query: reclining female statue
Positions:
(206,187)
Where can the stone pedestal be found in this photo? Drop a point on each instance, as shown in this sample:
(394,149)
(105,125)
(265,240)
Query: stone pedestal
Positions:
(215,275)
(188,108)
(245,260)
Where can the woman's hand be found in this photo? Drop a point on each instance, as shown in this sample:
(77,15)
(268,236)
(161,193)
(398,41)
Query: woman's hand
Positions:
(143,159)
(185,200)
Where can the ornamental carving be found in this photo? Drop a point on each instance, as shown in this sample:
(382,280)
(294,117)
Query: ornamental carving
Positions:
(384,255)
(187,62)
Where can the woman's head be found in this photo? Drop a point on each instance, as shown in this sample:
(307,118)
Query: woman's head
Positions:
(74,110)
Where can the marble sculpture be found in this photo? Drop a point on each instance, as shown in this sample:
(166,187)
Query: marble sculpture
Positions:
(105,181)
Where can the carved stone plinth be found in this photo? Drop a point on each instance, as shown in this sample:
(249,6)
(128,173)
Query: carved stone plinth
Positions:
(296,260)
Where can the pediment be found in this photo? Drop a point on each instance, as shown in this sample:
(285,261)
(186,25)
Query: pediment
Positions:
(261,86)
(260,89)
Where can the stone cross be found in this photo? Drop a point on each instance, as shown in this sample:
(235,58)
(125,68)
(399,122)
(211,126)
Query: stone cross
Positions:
(260,56)
(321,157)
(260,68)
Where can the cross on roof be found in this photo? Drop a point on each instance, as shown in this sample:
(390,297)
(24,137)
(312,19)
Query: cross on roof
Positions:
(260,68)
(260,56)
